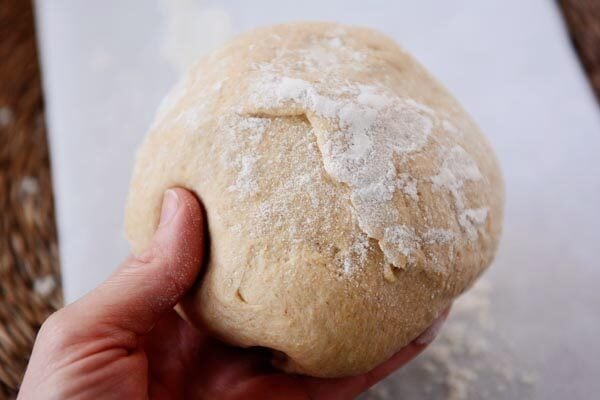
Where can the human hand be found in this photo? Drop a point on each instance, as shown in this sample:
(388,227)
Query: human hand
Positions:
(123,340)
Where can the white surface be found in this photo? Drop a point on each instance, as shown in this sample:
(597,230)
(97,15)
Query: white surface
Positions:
(508,61)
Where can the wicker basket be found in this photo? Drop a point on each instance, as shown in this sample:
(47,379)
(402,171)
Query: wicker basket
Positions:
(29,273)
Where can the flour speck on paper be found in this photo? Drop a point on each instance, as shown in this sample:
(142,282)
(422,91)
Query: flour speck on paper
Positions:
(469,360)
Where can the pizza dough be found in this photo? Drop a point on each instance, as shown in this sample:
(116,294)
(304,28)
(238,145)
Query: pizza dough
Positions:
(349,197)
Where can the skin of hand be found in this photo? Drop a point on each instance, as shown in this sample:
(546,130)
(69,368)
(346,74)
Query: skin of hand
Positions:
(123,340)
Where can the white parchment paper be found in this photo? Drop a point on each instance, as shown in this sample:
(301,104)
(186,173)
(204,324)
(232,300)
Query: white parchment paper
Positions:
(529,329)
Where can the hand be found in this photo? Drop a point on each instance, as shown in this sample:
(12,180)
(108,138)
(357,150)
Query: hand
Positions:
(123,340)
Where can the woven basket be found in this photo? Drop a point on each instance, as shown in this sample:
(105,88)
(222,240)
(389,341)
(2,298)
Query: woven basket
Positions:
(29,274)
(583,20)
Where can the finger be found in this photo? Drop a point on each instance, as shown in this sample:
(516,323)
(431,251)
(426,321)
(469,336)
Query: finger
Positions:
(406,354)
(352,386)
(172,348)
(172,340)
(145,287)
(431,333)
(347,388)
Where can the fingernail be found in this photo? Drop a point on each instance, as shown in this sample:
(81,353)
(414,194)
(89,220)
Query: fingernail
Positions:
(170,205)
(431,333)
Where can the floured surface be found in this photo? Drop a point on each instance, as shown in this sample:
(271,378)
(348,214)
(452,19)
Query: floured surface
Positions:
(463,362)
(547,146)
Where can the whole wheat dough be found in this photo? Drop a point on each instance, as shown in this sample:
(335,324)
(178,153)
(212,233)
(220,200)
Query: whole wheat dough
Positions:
(349,197)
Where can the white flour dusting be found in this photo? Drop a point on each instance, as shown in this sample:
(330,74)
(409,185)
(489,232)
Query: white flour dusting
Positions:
(399,241)
(360,134)
(358,255)
(250,129)
(457,168)
(245,181)
(408,185)
(468,360)
(471,219)
(451,128)
(437,235)
(371,126)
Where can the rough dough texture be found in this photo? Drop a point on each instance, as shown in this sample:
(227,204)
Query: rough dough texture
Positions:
(349,197)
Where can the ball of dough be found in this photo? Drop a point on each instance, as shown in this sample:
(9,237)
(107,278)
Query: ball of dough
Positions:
(349,197)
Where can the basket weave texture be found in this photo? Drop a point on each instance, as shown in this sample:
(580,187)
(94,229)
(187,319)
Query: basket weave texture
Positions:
(29,272)
(583,20)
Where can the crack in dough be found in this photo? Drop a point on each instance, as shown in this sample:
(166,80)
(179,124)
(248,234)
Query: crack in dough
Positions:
(360,129)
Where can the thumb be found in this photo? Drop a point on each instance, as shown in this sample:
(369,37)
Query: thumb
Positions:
(145,287)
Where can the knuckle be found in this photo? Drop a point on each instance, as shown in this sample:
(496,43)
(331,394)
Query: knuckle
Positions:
(148,256)
(62,329)
(54,329)
(53,322)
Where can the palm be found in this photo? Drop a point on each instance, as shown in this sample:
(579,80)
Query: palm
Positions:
(183,363)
